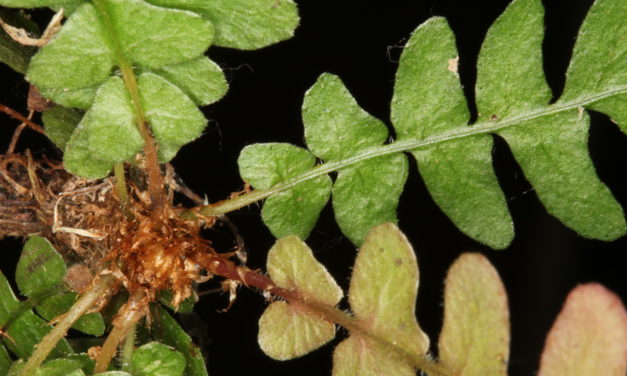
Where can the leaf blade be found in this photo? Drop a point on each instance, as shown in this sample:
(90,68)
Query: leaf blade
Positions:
(367,195)
(174,119)
(599,61)
(475,334)
(589,336)
(106,135)
(78,56)
(353,357)
(200,78)
(466,189)
(510,78)
(285,332)
(157,359)
(383,289)
(40,268)
(553,153)
(292,212)
(172,334)
(292,265)
(55,306)
(59,123)
(291,330)
(28,330)
(335,125)
(243,24)
(145,31)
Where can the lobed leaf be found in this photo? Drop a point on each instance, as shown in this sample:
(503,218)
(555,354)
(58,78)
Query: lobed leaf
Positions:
(174,119)
(368,194)
(288,331)
(73,68)
(336,127)
(510,78)
(428,101)
(475,335)
(292,265)
(157,359)
(79,55)
(430,115)
(599,61)
(551,150)
(285,332)
(553,153)
(106,135)
(589,336)
(243,24)
(145,31)
(40,269)
(200,78)
(171,333)
(295,211)
(382,296)
(82,54)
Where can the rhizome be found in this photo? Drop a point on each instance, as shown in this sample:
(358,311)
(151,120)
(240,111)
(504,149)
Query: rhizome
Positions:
(123,233)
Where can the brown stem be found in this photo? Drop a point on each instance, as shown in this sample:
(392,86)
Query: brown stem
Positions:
(219,265)
(127,317)
(155,179)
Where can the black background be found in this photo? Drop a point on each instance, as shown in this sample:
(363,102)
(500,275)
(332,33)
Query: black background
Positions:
(361,42)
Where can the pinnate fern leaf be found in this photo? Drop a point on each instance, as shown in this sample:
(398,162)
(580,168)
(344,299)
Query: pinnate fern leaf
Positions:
(287,330)
(551,149)
(384,334)
(430,116)
(158,48)
(366,194)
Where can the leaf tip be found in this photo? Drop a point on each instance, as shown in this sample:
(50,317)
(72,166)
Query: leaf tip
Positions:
(589,336)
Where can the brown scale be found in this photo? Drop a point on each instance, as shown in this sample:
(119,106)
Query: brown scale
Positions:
(84,221)
(154,254)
